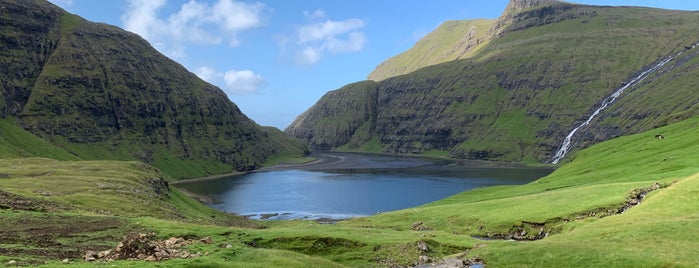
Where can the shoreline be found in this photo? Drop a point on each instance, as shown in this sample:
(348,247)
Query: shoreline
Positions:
(204,199)
(327,160)
(209,178)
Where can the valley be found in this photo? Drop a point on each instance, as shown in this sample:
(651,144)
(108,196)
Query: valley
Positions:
(573,130)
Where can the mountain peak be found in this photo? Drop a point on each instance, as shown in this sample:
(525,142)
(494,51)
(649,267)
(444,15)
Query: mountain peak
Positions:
(514,7)
(519,5)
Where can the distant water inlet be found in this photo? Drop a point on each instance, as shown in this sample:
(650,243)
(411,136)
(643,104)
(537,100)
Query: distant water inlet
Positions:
(566,144)
(347,193)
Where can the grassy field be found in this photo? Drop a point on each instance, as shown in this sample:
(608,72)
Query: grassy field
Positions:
(53,210)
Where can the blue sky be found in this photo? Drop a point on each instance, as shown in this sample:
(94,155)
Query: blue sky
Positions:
(276,58)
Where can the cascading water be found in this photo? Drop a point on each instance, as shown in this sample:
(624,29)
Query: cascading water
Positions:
(566,145)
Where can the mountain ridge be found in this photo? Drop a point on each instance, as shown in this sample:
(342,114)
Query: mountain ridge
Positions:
(100,92)
(443,44)
(519,95)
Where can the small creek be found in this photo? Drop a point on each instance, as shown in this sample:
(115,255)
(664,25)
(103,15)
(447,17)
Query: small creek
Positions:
(352,185)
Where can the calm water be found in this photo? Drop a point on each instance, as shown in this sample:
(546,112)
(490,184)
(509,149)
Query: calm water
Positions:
(381,183)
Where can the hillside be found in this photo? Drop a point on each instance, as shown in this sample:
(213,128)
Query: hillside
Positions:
(99,92)
(627,202)
(547,68)
(452,40)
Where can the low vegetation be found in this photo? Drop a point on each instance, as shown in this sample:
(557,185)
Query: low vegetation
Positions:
(573,215)
(629,201)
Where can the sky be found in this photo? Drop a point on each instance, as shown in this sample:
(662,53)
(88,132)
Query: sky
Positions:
(276,58)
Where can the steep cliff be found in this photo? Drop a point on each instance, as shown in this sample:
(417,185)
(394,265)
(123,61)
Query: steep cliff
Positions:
(103,93)
(548,64)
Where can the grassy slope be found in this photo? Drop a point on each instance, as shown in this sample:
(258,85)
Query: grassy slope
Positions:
(662,230)
(599,177)
(17,142)
(457,39)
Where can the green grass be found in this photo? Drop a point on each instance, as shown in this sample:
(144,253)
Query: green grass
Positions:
(55,209)
(457,39)
(661,231)
(16,142)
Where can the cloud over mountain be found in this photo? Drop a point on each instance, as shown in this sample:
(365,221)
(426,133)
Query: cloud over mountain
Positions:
(194,22)
(325,36)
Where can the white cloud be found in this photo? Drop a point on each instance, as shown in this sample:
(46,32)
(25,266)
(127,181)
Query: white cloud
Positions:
(316,39)
(235,82)
(315,14)
(195,22)
(307,56)
(207,74)
(327,29)
(244,81)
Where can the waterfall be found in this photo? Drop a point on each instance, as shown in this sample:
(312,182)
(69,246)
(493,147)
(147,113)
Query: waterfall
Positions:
(566,145)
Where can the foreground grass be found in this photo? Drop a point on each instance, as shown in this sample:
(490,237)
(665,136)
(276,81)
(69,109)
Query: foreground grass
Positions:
(107,199)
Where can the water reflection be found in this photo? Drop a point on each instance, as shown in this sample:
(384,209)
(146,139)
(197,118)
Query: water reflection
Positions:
(342,193)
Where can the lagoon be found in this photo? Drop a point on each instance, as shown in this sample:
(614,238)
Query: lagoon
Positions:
(346,185)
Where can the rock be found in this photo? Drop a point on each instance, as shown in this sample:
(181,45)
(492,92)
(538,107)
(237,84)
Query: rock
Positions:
(11,262)
(162,255)
(90,256)
(206,240)
(66,261)
(103,254)
(174,242)
(424,259)
(145,247)
(418,226)
(423,247)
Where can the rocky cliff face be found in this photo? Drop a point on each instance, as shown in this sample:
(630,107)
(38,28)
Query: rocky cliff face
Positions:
(521,14)
(345,118)
(99,92)
(518,96)
(516,6)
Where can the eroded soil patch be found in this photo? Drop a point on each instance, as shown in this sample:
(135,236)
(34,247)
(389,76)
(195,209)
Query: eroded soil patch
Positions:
(12,201)
(529,231)
(39,237)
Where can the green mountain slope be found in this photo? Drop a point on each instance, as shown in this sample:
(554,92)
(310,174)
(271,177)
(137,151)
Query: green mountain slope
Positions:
(450,41)
(546,70)
(103,93)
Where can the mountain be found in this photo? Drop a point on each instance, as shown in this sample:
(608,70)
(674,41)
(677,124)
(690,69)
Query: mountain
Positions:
(99,92)
(452,40)
(546,67)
